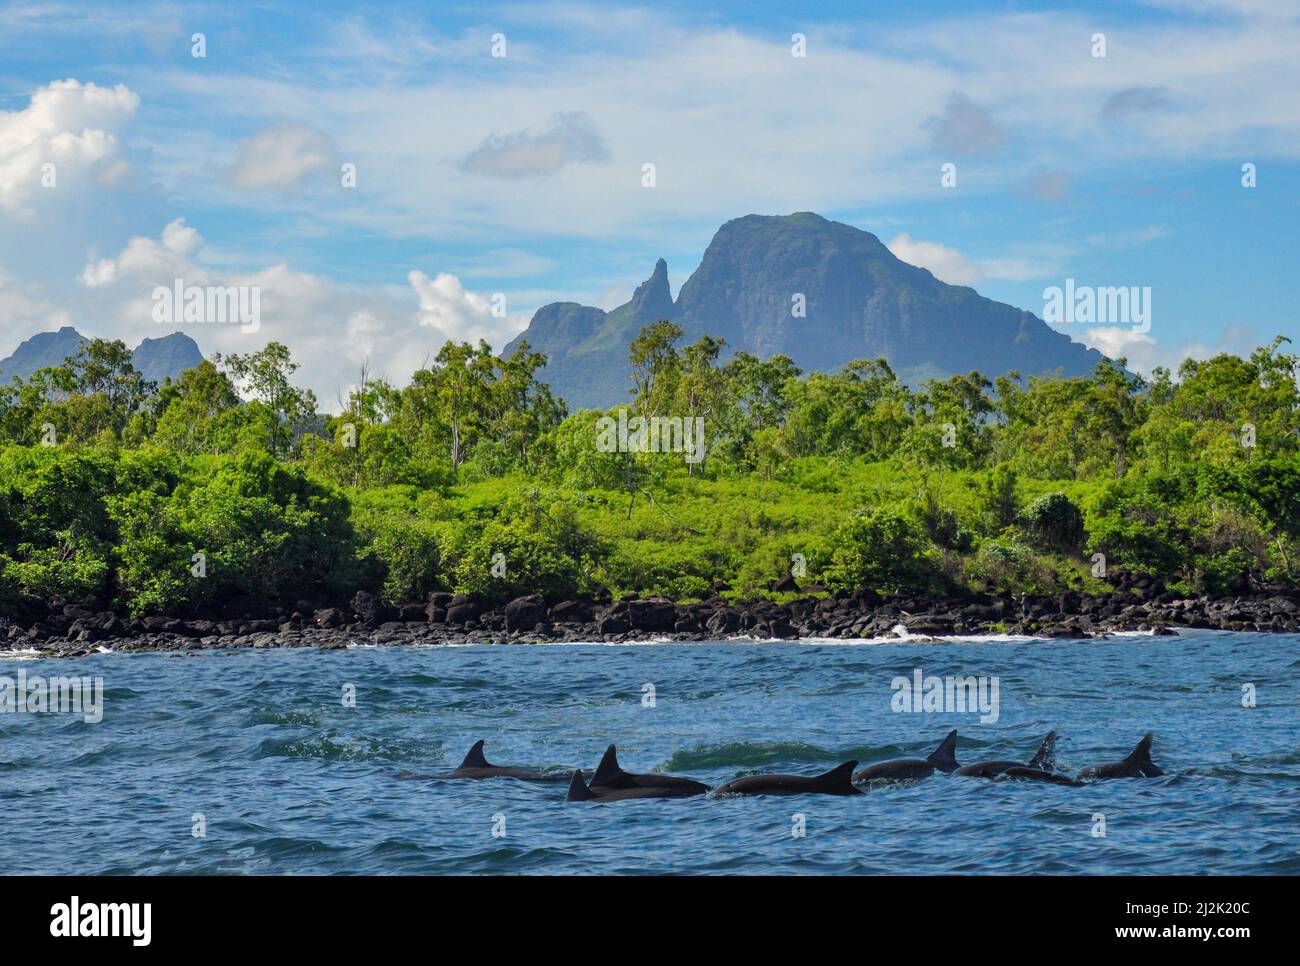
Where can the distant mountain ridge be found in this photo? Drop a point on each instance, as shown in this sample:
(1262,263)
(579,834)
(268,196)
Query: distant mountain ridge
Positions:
(860,301)
(156,359)
(167,356)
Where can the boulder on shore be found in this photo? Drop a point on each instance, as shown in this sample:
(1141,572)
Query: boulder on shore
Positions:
(525,613)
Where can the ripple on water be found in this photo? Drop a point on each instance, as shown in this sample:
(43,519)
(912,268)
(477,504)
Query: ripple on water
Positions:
(291,781)
(332,746)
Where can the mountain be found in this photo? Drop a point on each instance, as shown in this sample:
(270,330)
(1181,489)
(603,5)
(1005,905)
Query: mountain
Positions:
(860,301)
(41,351)
(156,359)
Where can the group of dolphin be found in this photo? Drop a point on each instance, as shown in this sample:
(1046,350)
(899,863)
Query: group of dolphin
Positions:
(612,783)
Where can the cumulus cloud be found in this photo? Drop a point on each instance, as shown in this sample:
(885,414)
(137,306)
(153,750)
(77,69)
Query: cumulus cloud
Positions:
(1144,352)
(332,328)
(571,137)
(281,158)
(98,274)
(160,260)
(113,173)
(951,266)
(454,313)
(1140,352)
(964,128)
(71,125)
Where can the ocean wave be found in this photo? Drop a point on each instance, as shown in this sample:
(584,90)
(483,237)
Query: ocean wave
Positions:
(744,755)
(334,747)
(277,716)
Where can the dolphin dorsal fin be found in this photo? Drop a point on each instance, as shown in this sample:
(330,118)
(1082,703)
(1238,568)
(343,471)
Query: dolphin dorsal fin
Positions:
(608,769)
(1141,753)
(1139,759)
(475,759)
(841,776)
(578,791)
(1045,758)
(944,757)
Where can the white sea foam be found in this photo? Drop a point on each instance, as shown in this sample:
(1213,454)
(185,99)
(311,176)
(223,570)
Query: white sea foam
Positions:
(24,654)
(747,639)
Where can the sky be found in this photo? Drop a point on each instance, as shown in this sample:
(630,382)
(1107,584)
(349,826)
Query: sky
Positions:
(498,153)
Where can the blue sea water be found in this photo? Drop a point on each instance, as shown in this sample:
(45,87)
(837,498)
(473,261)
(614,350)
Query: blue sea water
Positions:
(289,780)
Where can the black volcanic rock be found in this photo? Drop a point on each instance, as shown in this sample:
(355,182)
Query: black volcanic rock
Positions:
(525,613)
(861,302)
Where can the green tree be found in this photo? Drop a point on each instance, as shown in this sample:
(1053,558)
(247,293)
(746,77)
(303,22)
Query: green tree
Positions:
(656,365)
(265,375)
(194,412)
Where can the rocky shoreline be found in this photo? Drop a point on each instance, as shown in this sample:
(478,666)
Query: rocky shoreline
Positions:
(1140,604)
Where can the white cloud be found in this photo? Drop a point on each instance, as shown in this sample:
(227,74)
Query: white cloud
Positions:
(71,125)
(281,158)
(454,313)
(570,137)
(951,266)
(158,260)
(113,173)
(1144,353)
(734,124)
(332,328)
(100,273)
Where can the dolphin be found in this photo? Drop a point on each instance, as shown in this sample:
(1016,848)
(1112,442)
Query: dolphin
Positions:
(834,782)
(610,775)
(580,792)
(1138,764)
(1043,760)
(942,759)
(1025,773)
(476,766)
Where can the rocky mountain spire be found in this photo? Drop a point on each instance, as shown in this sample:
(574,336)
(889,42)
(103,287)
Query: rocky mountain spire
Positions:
(652,299)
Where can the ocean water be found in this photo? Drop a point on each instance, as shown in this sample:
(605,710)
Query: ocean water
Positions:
(289,780)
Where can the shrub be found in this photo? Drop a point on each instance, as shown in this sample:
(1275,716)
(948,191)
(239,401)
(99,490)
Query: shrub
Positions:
(153,557)
(60,537)
(268,532)
(1003,563)
(1133,524)
(1053,522)
(530,562)
(881,550)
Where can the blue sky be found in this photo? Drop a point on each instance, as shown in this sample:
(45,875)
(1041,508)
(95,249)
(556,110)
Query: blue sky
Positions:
(521,175)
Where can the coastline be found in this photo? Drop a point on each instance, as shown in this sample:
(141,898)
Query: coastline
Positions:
(74,630)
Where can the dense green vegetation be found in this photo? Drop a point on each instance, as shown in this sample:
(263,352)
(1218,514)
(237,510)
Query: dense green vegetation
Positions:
(227,489)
